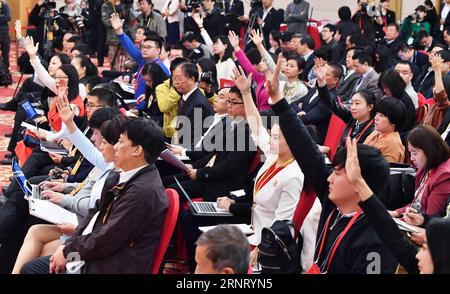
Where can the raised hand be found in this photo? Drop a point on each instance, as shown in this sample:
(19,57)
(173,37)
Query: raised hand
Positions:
(273,84)
(198,19)
(352,168)
(18,28)
(65,112)
(436,62)
(30,47)
(117,23)
(234,40)
(241,81)
(257,38)
(320,70)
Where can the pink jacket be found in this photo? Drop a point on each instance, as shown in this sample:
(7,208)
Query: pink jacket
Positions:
(437,191)
(262,98)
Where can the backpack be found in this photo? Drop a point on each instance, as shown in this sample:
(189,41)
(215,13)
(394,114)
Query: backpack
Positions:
(400,188)
(279,253)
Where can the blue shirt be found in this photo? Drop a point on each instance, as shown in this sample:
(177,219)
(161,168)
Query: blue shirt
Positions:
(136,54)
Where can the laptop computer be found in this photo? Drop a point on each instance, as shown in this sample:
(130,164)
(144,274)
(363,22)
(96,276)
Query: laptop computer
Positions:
(203,208)
(29,109)
(53,147)
(31,191)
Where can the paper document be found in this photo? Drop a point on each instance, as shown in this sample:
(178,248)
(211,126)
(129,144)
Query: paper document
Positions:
(53,147)
(170,158)
(126,87)
(51,212)
(404,226)
(246,229)
(29,127)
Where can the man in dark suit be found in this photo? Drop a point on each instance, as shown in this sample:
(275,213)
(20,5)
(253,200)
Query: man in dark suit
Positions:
(427,42)
(327,35)
(392,40)
(306,50)
(368,77)
(225,169)
(193,106)
(269,19)
(311,108)
(347,83)
(420,59)
(120,235)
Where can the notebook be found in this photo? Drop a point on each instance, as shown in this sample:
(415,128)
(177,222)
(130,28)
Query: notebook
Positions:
(31,191)
(51,212)
(404,226)
(246,229)
(53,147)
(203,208)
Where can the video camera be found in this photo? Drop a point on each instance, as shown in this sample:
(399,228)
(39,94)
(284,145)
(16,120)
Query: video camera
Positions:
(370,10)
(207,77)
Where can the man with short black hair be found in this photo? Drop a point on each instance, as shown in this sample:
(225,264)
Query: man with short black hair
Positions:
(151,19)
(222,250)
(363,65)
(426,41)
(121,234)
(327,34)
(393,40)
(197,49)
(419,59)
(405,70)
(306,50)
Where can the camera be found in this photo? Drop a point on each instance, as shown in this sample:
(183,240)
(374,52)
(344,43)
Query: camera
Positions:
(79,22)
(207,77)
(49,5)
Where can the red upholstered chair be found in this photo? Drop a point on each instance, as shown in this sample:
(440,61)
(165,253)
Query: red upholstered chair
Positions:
(304,205)
(169,223)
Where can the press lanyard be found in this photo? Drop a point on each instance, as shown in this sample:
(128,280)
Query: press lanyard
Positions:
(341,236)
(269,174)
(361,133)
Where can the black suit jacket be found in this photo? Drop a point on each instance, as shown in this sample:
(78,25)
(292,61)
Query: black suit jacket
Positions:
(393,47)
(127,229)
(231,167)
(421,60)
(308,66)
(425,83)
(232,14)
(345,87)
(271,22)
(337,51)
(190,128)
(214,23)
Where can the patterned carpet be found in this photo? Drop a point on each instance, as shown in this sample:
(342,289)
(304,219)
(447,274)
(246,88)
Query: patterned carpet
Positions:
(7,117)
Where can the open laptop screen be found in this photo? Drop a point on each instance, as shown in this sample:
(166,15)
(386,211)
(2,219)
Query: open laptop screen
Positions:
(29,109)
(20,178)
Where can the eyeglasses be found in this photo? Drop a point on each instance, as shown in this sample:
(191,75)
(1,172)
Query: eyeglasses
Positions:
(147,47)
(92,105)
(61,78)
(232,103)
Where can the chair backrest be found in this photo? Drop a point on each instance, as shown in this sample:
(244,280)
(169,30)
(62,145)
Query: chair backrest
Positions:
(305,203)
(170,220)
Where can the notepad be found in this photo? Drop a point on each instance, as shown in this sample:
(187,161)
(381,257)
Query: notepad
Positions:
(51,212)
(405,226)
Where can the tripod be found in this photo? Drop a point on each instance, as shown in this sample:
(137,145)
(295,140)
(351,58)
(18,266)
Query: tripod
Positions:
(251,25)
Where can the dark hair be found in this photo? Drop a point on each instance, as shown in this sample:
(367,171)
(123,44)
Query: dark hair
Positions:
(356,39)
(82,48)
(331,27)
(374,168)
(228,51)
(75,39)
(338,72)
(438,239)
(429,3)
(176,62)
(363,57)
(421,8)
(427,139)
(393,109)
(300,63)
(226,246)
(147,31)
(64,58)
(146,133)
(309,41)
(105,96)
(421,35)
(58,43)
(208,65)
(344,13)
(91,69)
(94,81)
(393,81)
(110,129)
(236,90)
(370,98)
(101,115)
(323,52)
(396,26)
(189,36)
(287,36)
(148,1)
(408,63)
(253,56)
(276,36)
(384,60)
(156,39)
(73,83)
(157,74)
(404,47)
(189,70)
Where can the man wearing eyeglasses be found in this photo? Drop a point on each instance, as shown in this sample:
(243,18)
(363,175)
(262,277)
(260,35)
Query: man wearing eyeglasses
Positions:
(149,53)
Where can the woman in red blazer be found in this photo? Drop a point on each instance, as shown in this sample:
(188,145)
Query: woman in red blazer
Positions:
(430,154)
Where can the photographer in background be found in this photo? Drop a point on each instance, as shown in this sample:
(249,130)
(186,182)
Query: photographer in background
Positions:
(384,17)
(365,23)
(413,24)
(232,10)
